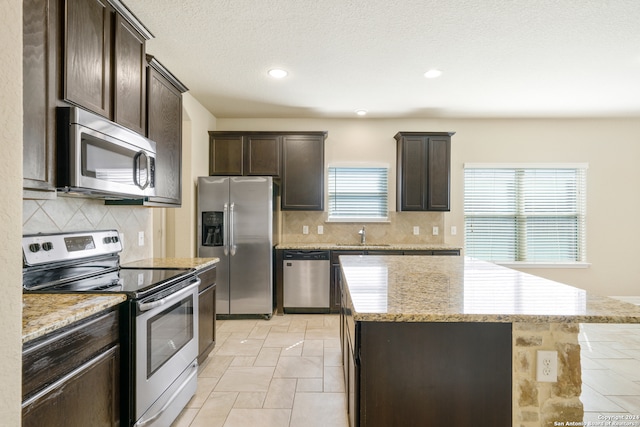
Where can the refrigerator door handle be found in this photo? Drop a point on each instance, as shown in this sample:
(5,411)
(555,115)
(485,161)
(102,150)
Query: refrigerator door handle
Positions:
(232,229)
(225,229)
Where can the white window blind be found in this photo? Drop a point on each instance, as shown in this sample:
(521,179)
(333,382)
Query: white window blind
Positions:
(525,214)
(358,193)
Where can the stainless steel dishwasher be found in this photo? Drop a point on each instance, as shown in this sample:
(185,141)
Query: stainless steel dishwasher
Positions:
(306,280)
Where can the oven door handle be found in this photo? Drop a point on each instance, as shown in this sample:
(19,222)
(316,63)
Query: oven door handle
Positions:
(146,306)
(171,399)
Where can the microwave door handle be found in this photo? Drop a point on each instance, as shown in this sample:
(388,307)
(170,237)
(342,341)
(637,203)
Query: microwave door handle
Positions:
(225,229)
(232,227)
(137,169)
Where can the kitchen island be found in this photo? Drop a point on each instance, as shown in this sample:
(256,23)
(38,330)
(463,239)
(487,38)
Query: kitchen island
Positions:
(454,341)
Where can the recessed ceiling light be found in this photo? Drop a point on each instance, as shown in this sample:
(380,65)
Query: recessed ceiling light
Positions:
(277,73)
(361,112)
(432,74)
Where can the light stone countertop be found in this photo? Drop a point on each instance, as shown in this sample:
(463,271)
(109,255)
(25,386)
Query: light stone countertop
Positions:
(459,289)
(368,246)
(191,263)
(46,313)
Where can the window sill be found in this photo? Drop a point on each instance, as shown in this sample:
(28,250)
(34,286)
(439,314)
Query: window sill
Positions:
(545,264)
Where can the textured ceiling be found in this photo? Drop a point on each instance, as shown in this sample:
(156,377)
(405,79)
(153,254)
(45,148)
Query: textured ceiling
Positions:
(500,58)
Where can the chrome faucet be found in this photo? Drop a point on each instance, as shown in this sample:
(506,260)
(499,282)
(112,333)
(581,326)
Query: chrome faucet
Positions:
(363,235)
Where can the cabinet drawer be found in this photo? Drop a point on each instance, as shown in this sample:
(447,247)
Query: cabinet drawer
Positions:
(47,359)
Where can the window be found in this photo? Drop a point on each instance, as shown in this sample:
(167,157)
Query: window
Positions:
(532,214)
(358,194)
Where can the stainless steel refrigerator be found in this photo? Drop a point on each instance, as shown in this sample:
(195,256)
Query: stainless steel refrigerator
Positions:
(236,224)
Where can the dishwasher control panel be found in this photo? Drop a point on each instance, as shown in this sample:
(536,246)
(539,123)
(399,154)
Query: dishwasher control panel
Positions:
(306,255)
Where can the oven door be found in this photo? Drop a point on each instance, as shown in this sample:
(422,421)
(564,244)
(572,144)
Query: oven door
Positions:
(166,352)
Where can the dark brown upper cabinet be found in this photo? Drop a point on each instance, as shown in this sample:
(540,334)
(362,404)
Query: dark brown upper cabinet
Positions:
(226,153)
(244,153)
(297,158)
(104,61)
(87,54)
(39,97)
(262,155)
(303,171)
(129,95)
(424,171)
(165,128)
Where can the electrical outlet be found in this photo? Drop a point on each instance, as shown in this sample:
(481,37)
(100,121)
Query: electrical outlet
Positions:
(305,229)
(140,238)
(454,230)
(547,366)
(320,229)
(416,230)
(435,231)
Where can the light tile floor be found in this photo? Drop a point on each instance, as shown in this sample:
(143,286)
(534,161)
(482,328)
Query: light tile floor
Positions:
(611,371)
(287,372)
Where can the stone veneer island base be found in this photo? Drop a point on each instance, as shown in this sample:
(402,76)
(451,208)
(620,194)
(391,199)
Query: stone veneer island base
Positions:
(435,341)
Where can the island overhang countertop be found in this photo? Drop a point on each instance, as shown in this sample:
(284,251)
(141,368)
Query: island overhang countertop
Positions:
(460,289)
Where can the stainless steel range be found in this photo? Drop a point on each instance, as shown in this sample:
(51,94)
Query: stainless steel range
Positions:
(160,318)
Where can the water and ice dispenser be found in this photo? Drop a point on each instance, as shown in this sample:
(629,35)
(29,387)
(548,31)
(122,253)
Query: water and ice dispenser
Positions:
(212,229)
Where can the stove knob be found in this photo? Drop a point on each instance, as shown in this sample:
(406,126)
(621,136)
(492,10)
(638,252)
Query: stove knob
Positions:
(47,246)
(107,240)
(34,247)
(115,239)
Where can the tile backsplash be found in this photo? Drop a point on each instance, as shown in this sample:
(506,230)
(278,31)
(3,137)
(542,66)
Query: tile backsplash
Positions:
(399,229)
(78,214)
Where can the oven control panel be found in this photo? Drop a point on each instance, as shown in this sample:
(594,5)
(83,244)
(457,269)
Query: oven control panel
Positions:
(47,248)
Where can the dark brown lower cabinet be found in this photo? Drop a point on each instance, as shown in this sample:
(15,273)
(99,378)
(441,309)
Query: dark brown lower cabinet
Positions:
(72,377)
(206,313)
(428,374)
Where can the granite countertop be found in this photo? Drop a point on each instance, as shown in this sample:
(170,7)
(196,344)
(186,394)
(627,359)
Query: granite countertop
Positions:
(191,263)
(459,289)
(369,246)
(45,313)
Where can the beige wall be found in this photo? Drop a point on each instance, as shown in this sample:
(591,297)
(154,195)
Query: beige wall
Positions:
(10,210)
(610,146)
(178,226)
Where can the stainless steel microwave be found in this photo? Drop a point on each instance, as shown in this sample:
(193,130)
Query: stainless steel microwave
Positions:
(99,158)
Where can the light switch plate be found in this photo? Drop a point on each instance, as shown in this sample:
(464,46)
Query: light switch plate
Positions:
(320,229)
(305,229)
(436,231)
(454,230)
(140,238)
(416,230)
